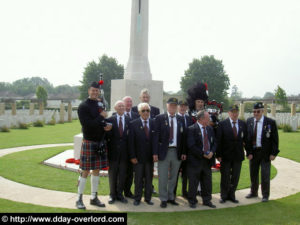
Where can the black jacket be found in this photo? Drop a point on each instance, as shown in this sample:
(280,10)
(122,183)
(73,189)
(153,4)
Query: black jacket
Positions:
(139,146)
(195,145)
(91,121)
(230,148)
(117,145)
(154,111)
(269,143)
(163,132)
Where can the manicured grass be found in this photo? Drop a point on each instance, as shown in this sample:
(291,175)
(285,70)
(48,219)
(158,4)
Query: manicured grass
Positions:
(289,145)
(282,212)
(26,167)
(59,133)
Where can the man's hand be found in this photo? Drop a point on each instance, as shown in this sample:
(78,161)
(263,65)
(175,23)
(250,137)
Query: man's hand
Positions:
(108,127)
(134,161)
(272,157)
(250,157)
(104,114)
(209,156)
(155,158)
(183,157)
(219,159)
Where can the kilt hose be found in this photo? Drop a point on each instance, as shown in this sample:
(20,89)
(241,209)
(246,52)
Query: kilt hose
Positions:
(89,158)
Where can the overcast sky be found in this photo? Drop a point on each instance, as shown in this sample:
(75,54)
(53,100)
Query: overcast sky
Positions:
(258,41)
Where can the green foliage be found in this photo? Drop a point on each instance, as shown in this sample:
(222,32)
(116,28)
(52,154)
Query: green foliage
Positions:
(23,126)
(38,123)
(235,93)
(52,122)
(248,106)
(107,66)
(5,129)
(42,94)
(287,128)
(28,86)
(210,71)
(269,95)
(280,96)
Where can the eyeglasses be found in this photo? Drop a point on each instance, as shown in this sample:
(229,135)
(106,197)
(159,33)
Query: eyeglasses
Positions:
(145,110)
(256,111)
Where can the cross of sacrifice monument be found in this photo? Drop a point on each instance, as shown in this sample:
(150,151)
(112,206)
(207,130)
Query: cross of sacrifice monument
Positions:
(137,73)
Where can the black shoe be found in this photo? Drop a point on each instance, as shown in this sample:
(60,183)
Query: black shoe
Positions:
(136,202)
(97,202)
(149,202)
(251,195)
(129,195)
(111,200)
(234,201)
(265,200)
(122,199)
(79,203)
(163,204)
(209,204)
(172,202)
(185,196)
(222,201)
(193,206)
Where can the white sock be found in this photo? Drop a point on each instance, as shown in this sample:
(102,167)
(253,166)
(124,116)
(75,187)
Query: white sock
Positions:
(81,185)
(94,185)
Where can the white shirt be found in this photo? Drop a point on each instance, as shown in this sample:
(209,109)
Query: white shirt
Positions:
(123,120)
(144,122)
(128,114)
(202,132)
(236,125)
(259,131)
(174,144)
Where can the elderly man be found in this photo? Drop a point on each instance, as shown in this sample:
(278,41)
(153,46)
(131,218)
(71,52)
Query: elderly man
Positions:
(262,149)
(145,97)
(231,139)
(201,149)
(170,130)
(93,126)
(129,174)
(117,142)
(142,145)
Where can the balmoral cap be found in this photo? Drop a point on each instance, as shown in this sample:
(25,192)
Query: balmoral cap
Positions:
(172,101)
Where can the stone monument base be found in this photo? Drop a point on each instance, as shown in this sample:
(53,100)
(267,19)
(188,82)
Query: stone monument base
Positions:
(121,88)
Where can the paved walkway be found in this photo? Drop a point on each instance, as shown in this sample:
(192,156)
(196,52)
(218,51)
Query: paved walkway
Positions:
(286,182)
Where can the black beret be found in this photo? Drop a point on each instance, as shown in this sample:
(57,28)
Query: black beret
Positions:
(173,101)
(258,105)
(183,102)
(94,84)
(234,107)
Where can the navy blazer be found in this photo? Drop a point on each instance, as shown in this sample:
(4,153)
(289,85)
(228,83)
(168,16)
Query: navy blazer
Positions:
(230,148)
(154,111)
(163,134)
(195,145)
(117,145)
(139,146)
(269,142)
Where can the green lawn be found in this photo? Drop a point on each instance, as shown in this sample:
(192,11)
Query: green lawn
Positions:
(59,133)
(289,145)
(25,167)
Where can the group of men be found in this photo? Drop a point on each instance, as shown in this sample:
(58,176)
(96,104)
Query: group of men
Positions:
(137,137)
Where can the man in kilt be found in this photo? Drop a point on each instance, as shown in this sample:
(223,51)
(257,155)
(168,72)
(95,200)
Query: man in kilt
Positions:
(92,119)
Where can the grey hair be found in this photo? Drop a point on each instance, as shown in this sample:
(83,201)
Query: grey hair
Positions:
(144,91)
(118,102)
(201,114)
(142,105)
(126,97)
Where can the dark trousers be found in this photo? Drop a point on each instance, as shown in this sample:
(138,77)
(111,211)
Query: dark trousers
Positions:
(203,174)
(129,179)
(184,178)
(117,176)
(259,161)
(143,174)
(230,175)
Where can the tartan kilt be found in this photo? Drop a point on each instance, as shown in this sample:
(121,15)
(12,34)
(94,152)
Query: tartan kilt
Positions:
(89,158)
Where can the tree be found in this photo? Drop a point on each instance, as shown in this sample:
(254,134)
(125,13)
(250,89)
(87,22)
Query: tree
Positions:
(268,95)
(28,86)
(280,97)
(41,94)
(107,66)
(208,70)
(235,93)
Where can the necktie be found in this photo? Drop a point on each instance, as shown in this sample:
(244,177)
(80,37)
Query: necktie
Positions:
(146,129)
(120,126)
(128,115)
(171,131)
(255,134)
(234,130)
(205,141)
